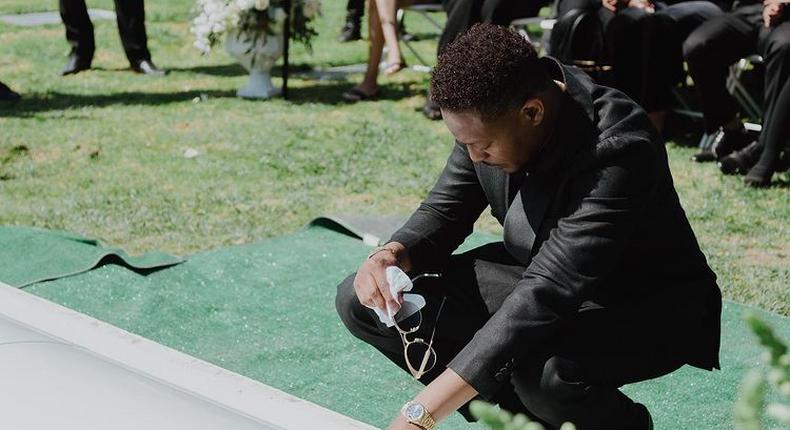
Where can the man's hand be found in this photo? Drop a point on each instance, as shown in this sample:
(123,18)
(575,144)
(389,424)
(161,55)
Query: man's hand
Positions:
(612,5)
(772,11)
(371,284)
(615,5)
(443,396)
(646,5)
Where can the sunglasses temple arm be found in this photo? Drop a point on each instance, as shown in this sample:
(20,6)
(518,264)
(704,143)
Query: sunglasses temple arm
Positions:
(424,362)
(426,275)
(436,323)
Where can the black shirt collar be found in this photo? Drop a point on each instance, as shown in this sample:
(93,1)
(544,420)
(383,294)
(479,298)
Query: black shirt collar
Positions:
(575,117)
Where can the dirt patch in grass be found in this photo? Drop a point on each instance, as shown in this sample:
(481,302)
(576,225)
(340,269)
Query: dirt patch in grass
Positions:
(766,257)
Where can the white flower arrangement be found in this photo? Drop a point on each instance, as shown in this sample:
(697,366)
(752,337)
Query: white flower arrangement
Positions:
(215,18)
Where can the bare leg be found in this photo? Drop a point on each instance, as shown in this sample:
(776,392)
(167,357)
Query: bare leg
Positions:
(387,10)
(377,38)
(369,84)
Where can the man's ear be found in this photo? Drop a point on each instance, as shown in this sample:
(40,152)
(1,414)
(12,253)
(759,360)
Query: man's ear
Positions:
(533,111)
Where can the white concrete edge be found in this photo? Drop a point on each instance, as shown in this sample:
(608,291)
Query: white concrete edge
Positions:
(203,379)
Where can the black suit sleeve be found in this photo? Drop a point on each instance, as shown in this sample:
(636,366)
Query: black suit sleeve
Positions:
(604,203)
(447,215)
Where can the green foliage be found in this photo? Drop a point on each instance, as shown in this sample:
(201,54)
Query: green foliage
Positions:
(751,404)
(499,419)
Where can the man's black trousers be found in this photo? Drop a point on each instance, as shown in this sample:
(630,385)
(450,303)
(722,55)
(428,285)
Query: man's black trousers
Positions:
(462,14)
(130,16)
(722,41)
(645,49)
(355,9)
(573,377)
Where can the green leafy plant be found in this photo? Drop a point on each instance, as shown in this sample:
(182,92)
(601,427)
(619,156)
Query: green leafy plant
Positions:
(751,407)
(500,419)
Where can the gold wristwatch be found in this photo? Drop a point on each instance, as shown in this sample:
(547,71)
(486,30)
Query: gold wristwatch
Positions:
(416,414)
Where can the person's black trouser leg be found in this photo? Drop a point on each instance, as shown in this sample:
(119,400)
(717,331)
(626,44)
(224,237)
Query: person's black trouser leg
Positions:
(624,42)
(130,15)
(711,49)
(662,49)
(774,46)
(503,12)
(463,14)
(79,29)
(775,137)
(563,6)
(355,10)
(575,379)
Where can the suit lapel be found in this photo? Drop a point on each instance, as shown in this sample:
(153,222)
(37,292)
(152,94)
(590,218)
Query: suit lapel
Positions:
(525,215)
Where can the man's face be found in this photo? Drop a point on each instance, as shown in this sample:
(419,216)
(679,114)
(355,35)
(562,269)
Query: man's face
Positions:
(507,142)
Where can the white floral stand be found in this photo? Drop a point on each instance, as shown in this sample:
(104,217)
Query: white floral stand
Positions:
(258,56)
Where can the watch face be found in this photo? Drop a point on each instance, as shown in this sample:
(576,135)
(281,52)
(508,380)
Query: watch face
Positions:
(414,411)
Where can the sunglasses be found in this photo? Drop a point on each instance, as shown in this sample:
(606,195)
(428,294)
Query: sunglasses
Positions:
(419,353)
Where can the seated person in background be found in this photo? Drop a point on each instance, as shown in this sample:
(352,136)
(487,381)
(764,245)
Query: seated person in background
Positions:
(8,95)
(599,280)
(773,146)
(463,14)
(382,30)
(644,44)
(751,28)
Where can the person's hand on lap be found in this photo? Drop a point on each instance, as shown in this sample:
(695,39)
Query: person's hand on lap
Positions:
(612,5)
(772,11)
(646,5)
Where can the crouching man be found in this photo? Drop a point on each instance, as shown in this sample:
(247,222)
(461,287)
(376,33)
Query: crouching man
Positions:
(598,281)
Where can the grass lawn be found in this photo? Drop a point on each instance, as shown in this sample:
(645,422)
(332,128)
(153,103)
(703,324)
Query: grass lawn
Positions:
(102,153)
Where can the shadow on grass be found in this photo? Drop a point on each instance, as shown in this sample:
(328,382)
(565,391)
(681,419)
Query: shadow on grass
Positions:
(235,69)
(319,93)
(332,94)
(54,101)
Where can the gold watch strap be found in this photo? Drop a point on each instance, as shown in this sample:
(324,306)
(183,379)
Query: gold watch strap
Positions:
(425,422)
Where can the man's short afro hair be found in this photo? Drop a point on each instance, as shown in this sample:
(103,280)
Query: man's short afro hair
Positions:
(487,70)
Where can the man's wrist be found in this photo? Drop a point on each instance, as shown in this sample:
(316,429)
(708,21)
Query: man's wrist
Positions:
(384,249)
(394,250)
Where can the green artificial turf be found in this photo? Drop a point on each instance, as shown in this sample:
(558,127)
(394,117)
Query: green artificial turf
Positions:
(266,310)
(31,255)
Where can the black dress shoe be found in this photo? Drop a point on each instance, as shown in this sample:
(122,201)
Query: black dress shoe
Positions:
(7,95)
(146,67)
(739,162)
(728,141)
(761,173)
(75,64)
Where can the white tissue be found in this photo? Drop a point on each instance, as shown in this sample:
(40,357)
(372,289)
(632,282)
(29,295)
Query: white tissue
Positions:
(399,283)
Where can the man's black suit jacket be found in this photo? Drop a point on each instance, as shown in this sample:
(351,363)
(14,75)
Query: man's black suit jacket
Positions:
(594,218)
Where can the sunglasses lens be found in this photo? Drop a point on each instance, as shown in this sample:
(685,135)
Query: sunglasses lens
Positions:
(416,353)
(408,320)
